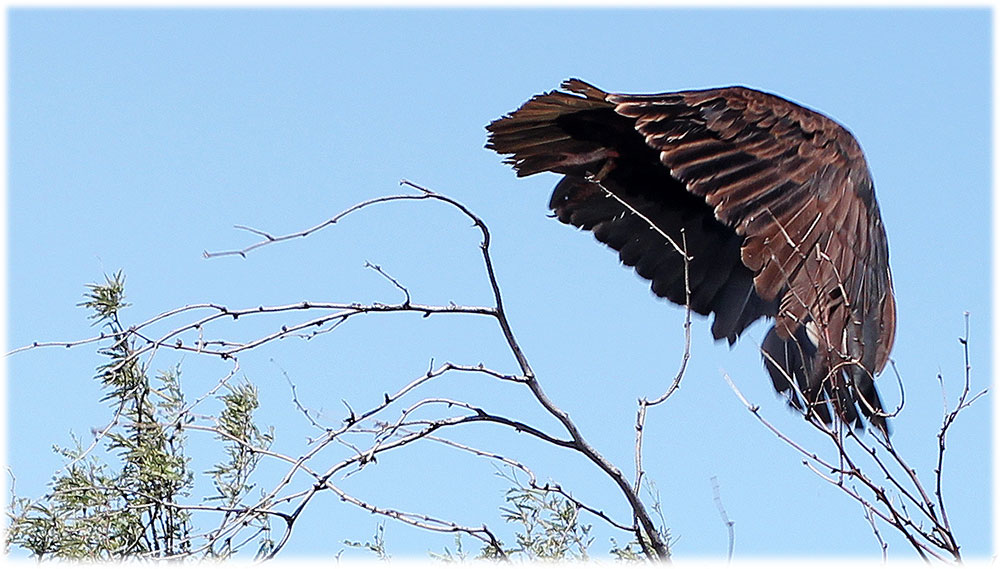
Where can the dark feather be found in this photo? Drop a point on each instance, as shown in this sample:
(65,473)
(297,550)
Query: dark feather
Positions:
(774,202)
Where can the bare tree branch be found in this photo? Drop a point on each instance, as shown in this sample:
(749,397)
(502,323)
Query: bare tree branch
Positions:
(900,495)
(717,496)
(873,474)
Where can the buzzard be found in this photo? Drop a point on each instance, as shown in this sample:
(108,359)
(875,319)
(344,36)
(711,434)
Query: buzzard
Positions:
(773,204)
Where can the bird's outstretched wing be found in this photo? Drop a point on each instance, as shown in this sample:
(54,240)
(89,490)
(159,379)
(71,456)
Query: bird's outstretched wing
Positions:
(777,209)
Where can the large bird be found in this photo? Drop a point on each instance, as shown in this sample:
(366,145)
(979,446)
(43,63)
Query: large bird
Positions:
(773,204)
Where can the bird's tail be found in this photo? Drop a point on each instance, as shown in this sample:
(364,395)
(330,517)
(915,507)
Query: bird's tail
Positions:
(801,372)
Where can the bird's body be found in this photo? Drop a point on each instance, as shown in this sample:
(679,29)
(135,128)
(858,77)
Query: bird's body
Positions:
(772,202)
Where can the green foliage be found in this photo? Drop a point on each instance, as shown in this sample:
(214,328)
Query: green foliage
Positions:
(550,525)
(376,545)
(95,512)
(243,440)
(123,496)
(630,552)
(105,300)
(549,530)
(459,556)
(98,512)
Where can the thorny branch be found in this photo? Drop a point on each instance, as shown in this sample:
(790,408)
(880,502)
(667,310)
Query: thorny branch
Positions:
(898,499)
(385,435)
(649,533)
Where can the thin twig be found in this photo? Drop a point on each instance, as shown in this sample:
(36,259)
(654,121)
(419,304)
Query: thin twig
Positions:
(717,497)
(269,238)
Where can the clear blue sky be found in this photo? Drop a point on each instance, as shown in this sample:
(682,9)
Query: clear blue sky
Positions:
(138,139)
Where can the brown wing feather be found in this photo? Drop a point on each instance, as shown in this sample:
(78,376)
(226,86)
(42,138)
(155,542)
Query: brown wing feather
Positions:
(785,223)
(796,185)
(719,283)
